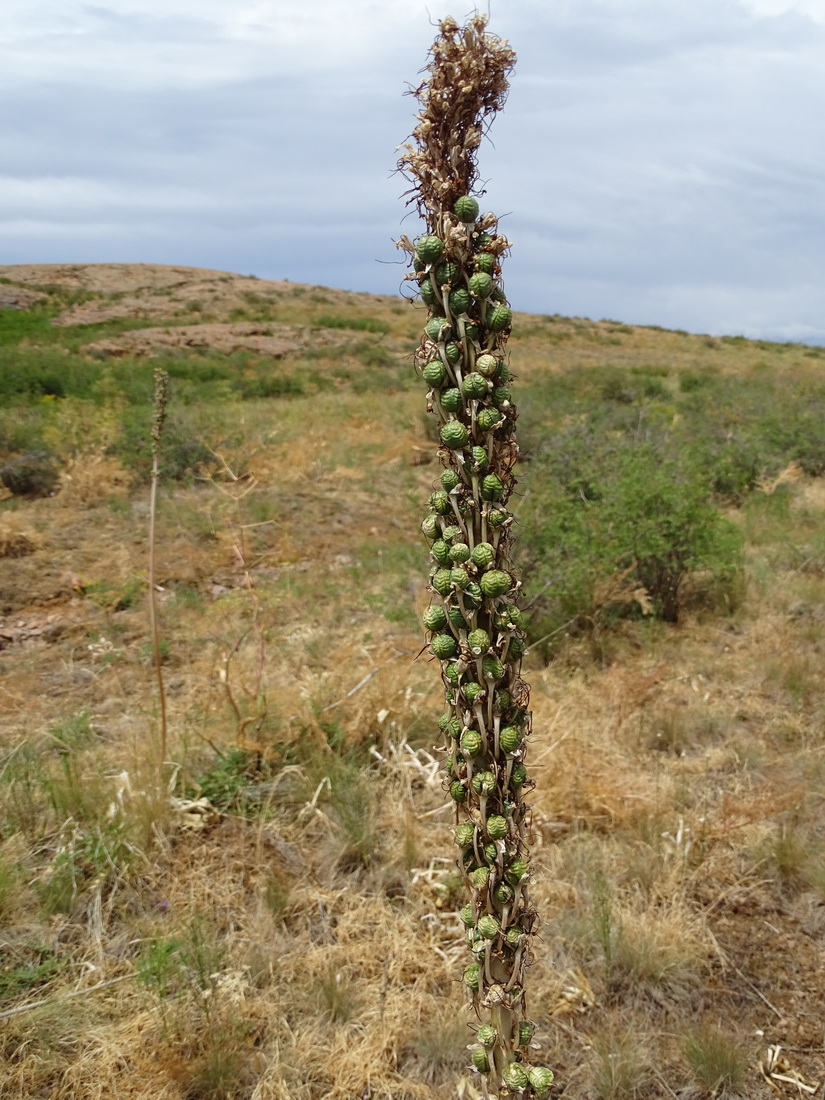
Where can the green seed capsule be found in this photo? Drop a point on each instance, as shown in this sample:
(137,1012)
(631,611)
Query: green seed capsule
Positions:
(487,365)
(484,240)
(472,332)
(541,1078)
(455,435)
(483,555)
(459,301)
(517,870)
(440,503)
(490,854)
(510,739)
(457,620)
(464,834)
(503,893)
(479,459)
(488,419)
(453,353)
(480,877)
(459,552)
(484,782)
(430,249)
(489,926)
(454,728)
(497,827)
(430,527)
(471,742)
(495,583)
(452,674)
(441,552)
(485,261)
(487,1036)
(441,582)
(480,1061)
(508,619)
(459,578)
(466,208)
(492,487)
(502,397)
(468,915)
(451,533)
(445,272)
(478,641)
(474,386)
(497,517)
(513,936)
(471,976)
(473,596)
(449,479)
(434,619)
(473,693)
(518,776)
(515,1076)
(434,373)
(427,291)
(438,329)
(526,1031)
(481,285)
(451,400)
(499,318)
(443,646)
(458,792)
(517,647)
(503,700)
(492,668)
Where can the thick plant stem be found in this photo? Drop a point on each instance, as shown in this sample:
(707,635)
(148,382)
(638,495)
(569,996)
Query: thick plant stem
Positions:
(474,622)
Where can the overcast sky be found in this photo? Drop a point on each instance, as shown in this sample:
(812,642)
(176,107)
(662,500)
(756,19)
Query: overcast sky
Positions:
(659,161)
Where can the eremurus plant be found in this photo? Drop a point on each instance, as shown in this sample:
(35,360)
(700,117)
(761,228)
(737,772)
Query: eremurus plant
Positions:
(474,622)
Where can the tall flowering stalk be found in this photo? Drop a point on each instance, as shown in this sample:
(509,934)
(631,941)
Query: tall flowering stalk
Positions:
(473,621)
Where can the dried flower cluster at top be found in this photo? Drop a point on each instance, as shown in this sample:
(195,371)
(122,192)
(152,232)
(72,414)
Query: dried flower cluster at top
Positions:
(474,622)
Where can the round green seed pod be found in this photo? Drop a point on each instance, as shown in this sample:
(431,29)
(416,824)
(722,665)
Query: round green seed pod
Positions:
(441,552)
(457,620)
(517,648)
(452,674)
(428,293)
(479,458)
(488,419)
(480,1060)
(481,285)
(490,854)
(464,834)
(495,582)
(459,578)
(492,668)
(474,386)
(455,435)
(484,240)
(509,618)
(513,936)
(485,261)
(459,552)
(472,332)
(499,318)
(429,248)
(515,1076)
(517,870)
(510,739)
(497,517)
(487,1036)
(526,1031)
(492,487)
(451,400)
(434,619)
(541,1078)
(466,208)
(430,527)
(480,877)
(453,353)
(468,915)
(489,926)
(445,272)
(471,976)
(487,365)
(484,782)
(434,373)
(451,532)
(458,792)
(518,776)
(443,646)
(503,893)
(503,700)
(459,301)
(438,329)
(440,503)
(502,397)
(471,742)
(454,728)
(497,827)
(449,479)
(441,582)
(478,641)
(483,555)
(473,596)
(473,693)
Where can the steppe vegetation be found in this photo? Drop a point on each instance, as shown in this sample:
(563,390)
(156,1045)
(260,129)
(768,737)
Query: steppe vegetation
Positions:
(280,918)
